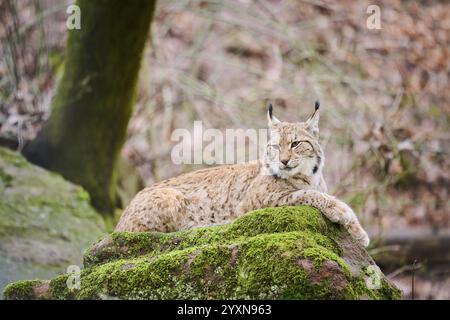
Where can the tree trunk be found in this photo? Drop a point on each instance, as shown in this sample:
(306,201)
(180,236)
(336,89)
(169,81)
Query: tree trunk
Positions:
(94,100)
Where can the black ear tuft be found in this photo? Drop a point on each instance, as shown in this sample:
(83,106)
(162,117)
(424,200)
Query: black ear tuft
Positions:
(270,110)
(317,105)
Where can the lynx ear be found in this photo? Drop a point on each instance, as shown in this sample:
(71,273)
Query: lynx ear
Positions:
(271,119)
(312,124)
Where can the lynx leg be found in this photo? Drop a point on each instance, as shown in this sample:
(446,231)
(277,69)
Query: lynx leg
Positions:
(357,232)
(161,210)
(335,210)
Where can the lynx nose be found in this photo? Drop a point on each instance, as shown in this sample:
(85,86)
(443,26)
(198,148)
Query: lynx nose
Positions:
(285,162)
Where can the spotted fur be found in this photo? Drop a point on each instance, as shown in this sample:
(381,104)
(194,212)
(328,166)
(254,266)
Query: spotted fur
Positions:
(289,174)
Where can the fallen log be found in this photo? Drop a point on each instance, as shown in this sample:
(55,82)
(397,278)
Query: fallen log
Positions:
(399,247)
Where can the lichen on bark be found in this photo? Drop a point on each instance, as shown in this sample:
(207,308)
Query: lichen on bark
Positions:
(94,99)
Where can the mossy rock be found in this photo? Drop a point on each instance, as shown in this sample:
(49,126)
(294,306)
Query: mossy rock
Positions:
(274,253)
(46,222)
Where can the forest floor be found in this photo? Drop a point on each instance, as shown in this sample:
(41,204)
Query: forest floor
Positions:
(385,94)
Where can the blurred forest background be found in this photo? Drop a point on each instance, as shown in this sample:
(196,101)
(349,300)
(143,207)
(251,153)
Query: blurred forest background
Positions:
(385,96)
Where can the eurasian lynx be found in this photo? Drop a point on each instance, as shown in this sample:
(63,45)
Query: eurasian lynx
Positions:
(289,174)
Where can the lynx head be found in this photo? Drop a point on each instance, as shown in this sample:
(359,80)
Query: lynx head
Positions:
(293,147)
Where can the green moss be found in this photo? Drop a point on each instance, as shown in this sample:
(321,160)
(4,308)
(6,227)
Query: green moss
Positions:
(264,221)
(318,255)
(389,291)
(59,289)
(23,290)
(95,97)
(274,253)
(5,179)
(261,267)
(11,158)
(382,289)
(45,222)
(82,195)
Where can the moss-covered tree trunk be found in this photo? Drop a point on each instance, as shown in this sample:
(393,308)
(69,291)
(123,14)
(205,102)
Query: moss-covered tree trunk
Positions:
(94,99)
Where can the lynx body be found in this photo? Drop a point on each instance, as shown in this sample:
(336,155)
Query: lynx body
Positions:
(289,174)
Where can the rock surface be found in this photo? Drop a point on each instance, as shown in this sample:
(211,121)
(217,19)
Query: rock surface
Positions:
(274,253)
(46,223)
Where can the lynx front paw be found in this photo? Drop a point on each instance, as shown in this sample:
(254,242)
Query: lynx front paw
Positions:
(335,210)
(358,233)
(343,214)
(365,241)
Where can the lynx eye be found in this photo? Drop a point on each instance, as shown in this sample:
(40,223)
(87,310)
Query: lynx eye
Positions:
(294,144)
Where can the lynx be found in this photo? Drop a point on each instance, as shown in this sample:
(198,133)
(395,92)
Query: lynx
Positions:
(290,173)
